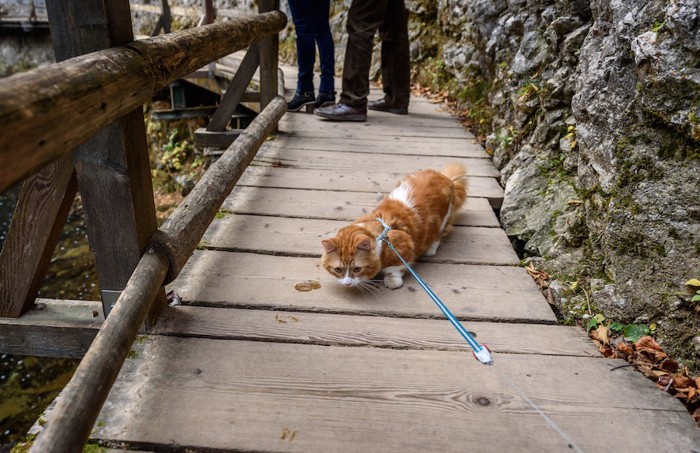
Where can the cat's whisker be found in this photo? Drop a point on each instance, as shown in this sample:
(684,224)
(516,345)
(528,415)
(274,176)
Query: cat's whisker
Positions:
(371,287)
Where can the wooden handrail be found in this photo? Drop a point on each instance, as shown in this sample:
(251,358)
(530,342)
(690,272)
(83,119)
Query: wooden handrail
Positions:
(79,405)
(46,112)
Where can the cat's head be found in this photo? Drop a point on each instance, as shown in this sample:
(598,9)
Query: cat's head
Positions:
(351,256)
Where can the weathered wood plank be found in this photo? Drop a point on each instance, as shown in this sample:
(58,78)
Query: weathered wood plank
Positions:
(52,328)
(435,124)
(40,215)
(495,293)
(302,237)
(372,331)
(339,162)
(333,205)
(379,145)
(354,180)
(269,52)
(216,139)
(404,126)
(236,88)
(262,396)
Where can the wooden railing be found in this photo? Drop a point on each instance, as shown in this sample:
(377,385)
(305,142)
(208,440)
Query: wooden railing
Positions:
(79,124)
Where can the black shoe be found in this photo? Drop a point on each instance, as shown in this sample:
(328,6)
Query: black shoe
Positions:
(301,100)
(324,99)
(383,106)
(342,112)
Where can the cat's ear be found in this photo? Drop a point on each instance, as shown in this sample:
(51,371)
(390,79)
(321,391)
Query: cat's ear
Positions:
(329,245)
(365,244)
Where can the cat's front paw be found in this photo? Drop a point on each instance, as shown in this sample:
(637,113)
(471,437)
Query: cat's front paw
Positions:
(393,282)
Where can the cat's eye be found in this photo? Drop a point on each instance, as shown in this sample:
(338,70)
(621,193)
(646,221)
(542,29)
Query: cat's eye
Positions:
(338,270)
(356,269)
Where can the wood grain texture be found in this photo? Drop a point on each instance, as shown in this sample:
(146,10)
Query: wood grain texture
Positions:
(261,281)
(52,328)
(235,90)
(407,126)
(257,396)
(369,331)
(41,212)
(302,237)
(353,179)
(340,161)
(332,205)
(422,146)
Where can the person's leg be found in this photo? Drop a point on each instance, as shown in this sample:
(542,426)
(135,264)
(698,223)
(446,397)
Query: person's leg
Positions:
(326,47)
(364,19)
(396,68)
(303,17)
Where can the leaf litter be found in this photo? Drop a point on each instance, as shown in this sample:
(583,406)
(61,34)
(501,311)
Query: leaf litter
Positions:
(648,357)
(633,343)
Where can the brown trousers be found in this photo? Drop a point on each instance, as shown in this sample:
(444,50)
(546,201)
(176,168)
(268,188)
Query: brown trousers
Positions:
(365,18)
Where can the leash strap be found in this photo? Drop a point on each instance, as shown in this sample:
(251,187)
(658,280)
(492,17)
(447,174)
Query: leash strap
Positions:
(481,352)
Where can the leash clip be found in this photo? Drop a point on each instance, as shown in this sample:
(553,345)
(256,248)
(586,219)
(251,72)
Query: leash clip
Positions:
(383,236)
(483,356)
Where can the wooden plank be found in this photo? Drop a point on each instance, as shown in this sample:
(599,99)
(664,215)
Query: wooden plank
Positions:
(302,237)
(269,52)
(435,124)
(245,280)
(373,181)
(216,139)
(403,128)
(112,166)
(235,90)
(373,331)
(333,205)
(40,215)
(339,162)
(52,328)
(262,396)
(379,145)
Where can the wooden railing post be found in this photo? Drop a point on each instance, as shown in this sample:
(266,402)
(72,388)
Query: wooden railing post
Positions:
(113,175)
(114,180)
(269,52)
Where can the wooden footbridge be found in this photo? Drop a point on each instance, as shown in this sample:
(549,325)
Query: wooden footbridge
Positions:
(266,353)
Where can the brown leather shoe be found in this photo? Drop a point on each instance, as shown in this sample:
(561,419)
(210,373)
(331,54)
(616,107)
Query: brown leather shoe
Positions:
(382,106)
(342,112)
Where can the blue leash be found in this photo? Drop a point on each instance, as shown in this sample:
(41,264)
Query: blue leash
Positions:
(481,352)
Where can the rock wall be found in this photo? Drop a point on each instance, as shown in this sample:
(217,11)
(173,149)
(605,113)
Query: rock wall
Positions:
(591,109)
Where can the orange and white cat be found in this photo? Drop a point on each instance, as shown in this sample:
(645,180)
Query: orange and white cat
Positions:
(420,211)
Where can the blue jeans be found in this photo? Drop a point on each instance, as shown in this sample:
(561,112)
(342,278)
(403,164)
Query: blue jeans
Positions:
(311,22)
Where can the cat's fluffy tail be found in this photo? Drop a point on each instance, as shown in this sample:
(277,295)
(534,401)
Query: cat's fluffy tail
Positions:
(458,175)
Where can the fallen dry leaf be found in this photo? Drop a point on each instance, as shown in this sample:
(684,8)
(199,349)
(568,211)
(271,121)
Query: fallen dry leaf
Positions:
(602,334)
